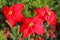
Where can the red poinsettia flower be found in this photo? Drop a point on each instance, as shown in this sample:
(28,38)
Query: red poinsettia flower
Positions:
(50,16)
(14,13)
(32,25)
(47,15)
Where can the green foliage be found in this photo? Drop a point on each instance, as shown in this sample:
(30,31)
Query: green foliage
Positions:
(2,3)
(2,37)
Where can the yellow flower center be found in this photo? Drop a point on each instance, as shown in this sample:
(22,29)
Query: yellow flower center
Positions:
(31,24)
(10,12)
(49,13)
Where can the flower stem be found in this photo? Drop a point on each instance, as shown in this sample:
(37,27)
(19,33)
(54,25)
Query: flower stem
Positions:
(29,37)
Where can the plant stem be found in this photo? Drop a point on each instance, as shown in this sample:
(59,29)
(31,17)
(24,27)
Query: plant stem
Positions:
(29,37)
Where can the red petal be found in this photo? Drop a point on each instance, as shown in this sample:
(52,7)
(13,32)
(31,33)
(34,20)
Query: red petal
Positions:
(27,32)
(38,20)
(5,10)
(40,12)
(17,12)
(23,27)
(39,29)
(38,25)
(11,21)
(17,7)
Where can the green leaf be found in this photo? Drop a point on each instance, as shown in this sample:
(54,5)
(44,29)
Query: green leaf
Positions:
(2,37)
